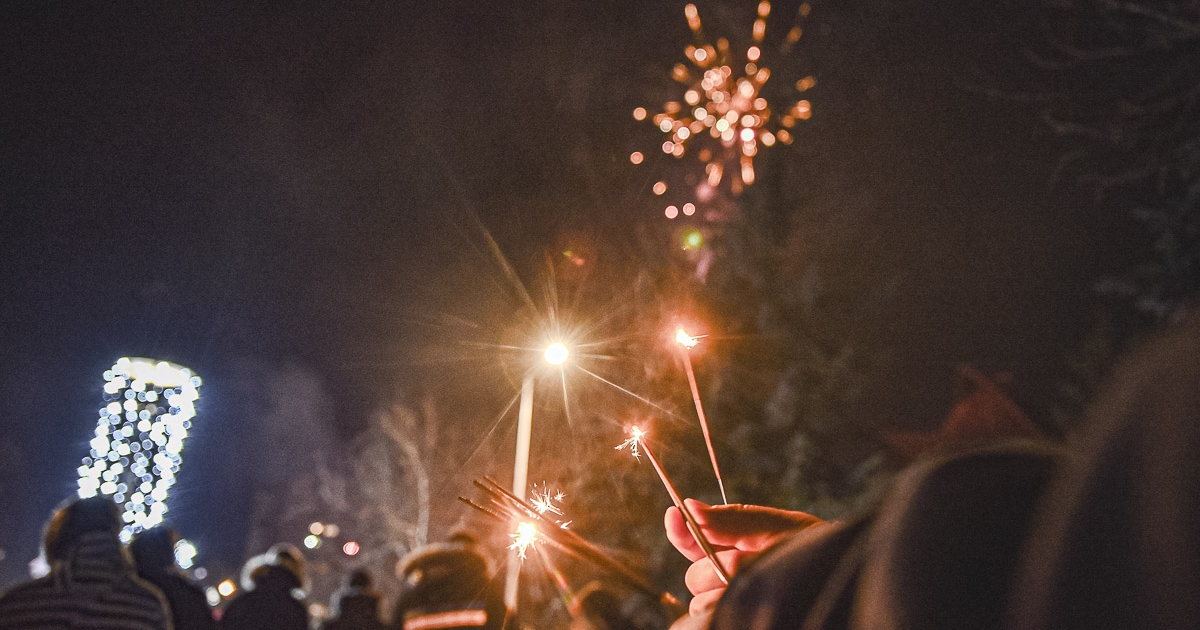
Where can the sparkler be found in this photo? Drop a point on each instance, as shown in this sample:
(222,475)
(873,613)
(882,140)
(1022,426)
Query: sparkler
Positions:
(694,527)
(687,342)
(723,108)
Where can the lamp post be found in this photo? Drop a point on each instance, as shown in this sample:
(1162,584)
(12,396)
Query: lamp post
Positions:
(556,354)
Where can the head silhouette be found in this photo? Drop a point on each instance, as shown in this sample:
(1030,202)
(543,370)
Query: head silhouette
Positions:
(83,516)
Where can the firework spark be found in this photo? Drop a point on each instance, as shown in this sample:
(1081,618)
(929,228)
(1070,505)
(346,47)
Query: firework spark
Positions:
(544,500)
(525,536)
(723,110)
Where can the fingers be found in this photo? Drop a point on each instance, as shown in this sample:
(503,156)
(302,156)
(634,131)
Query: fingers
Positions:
(701,576)
(680,536)
(692,621)
(704,602)
(746,527)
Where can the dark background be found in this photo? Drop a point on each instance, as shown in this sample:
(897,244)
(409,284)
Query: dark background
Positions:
(252,188)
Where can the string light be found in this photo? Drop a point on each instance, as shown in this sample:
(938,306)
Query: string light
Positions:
(136,452)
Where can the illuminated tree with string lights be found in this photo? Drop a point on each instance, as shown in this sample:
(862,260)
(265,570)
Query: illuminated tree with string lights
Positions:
(136,452)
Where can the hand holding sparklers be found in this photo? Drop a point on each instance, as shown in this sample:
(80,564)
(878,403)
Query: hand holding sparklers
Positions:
(736,532)
(638,441)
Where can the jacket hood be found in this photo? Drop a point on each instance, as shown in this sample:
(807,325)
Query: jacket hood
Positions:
(96,559)
(357,605)
(444,557)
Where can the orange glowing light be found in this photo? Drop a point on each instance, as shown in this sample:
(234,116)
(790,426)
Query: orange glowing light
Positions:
(660,188)
(671,212)
(639,113)
(636,157)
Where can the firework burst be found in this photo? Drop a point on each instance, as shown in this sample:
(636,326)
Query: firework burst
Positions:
(724,114)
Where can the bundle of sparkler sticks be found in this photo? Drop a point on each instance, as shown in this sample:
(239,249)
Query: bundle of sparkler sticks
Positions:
(506,507)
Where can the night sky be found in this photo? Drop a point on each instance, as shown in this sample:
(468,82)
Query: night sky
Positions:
(251,188)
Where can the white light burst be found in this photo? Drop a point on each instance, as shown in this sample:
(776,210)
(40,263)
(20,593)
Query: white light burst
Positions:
(135,454)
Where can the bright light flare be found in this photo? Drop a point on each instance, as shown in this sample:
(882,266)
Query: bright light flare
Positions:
(226,588)
(557,353)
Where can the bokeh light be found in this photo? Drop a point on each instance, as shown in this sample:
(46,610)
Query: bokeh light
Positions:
(185,553)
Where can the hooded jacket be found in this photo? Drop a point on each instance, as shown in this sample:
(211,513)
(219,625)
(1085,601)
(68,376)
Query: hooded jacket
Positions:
(94,588)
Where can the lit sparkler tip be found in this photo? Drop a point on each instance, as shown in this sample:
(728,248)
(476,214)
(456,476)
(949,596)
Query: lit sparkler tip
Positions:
(684,339)
(635,438)
(525,536)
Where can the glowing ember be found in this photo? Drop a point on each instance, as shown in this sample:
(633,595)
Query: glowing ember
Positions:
(725,111)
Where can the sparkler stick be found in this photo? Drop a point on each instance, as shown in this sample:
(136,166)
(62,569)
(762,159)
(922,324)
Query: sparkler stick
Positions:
(687,342)
(507,507)
(692,525)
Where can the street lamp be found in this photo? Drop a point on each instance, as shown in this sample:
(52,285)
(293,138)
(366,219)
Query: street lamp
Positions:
(556,354)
